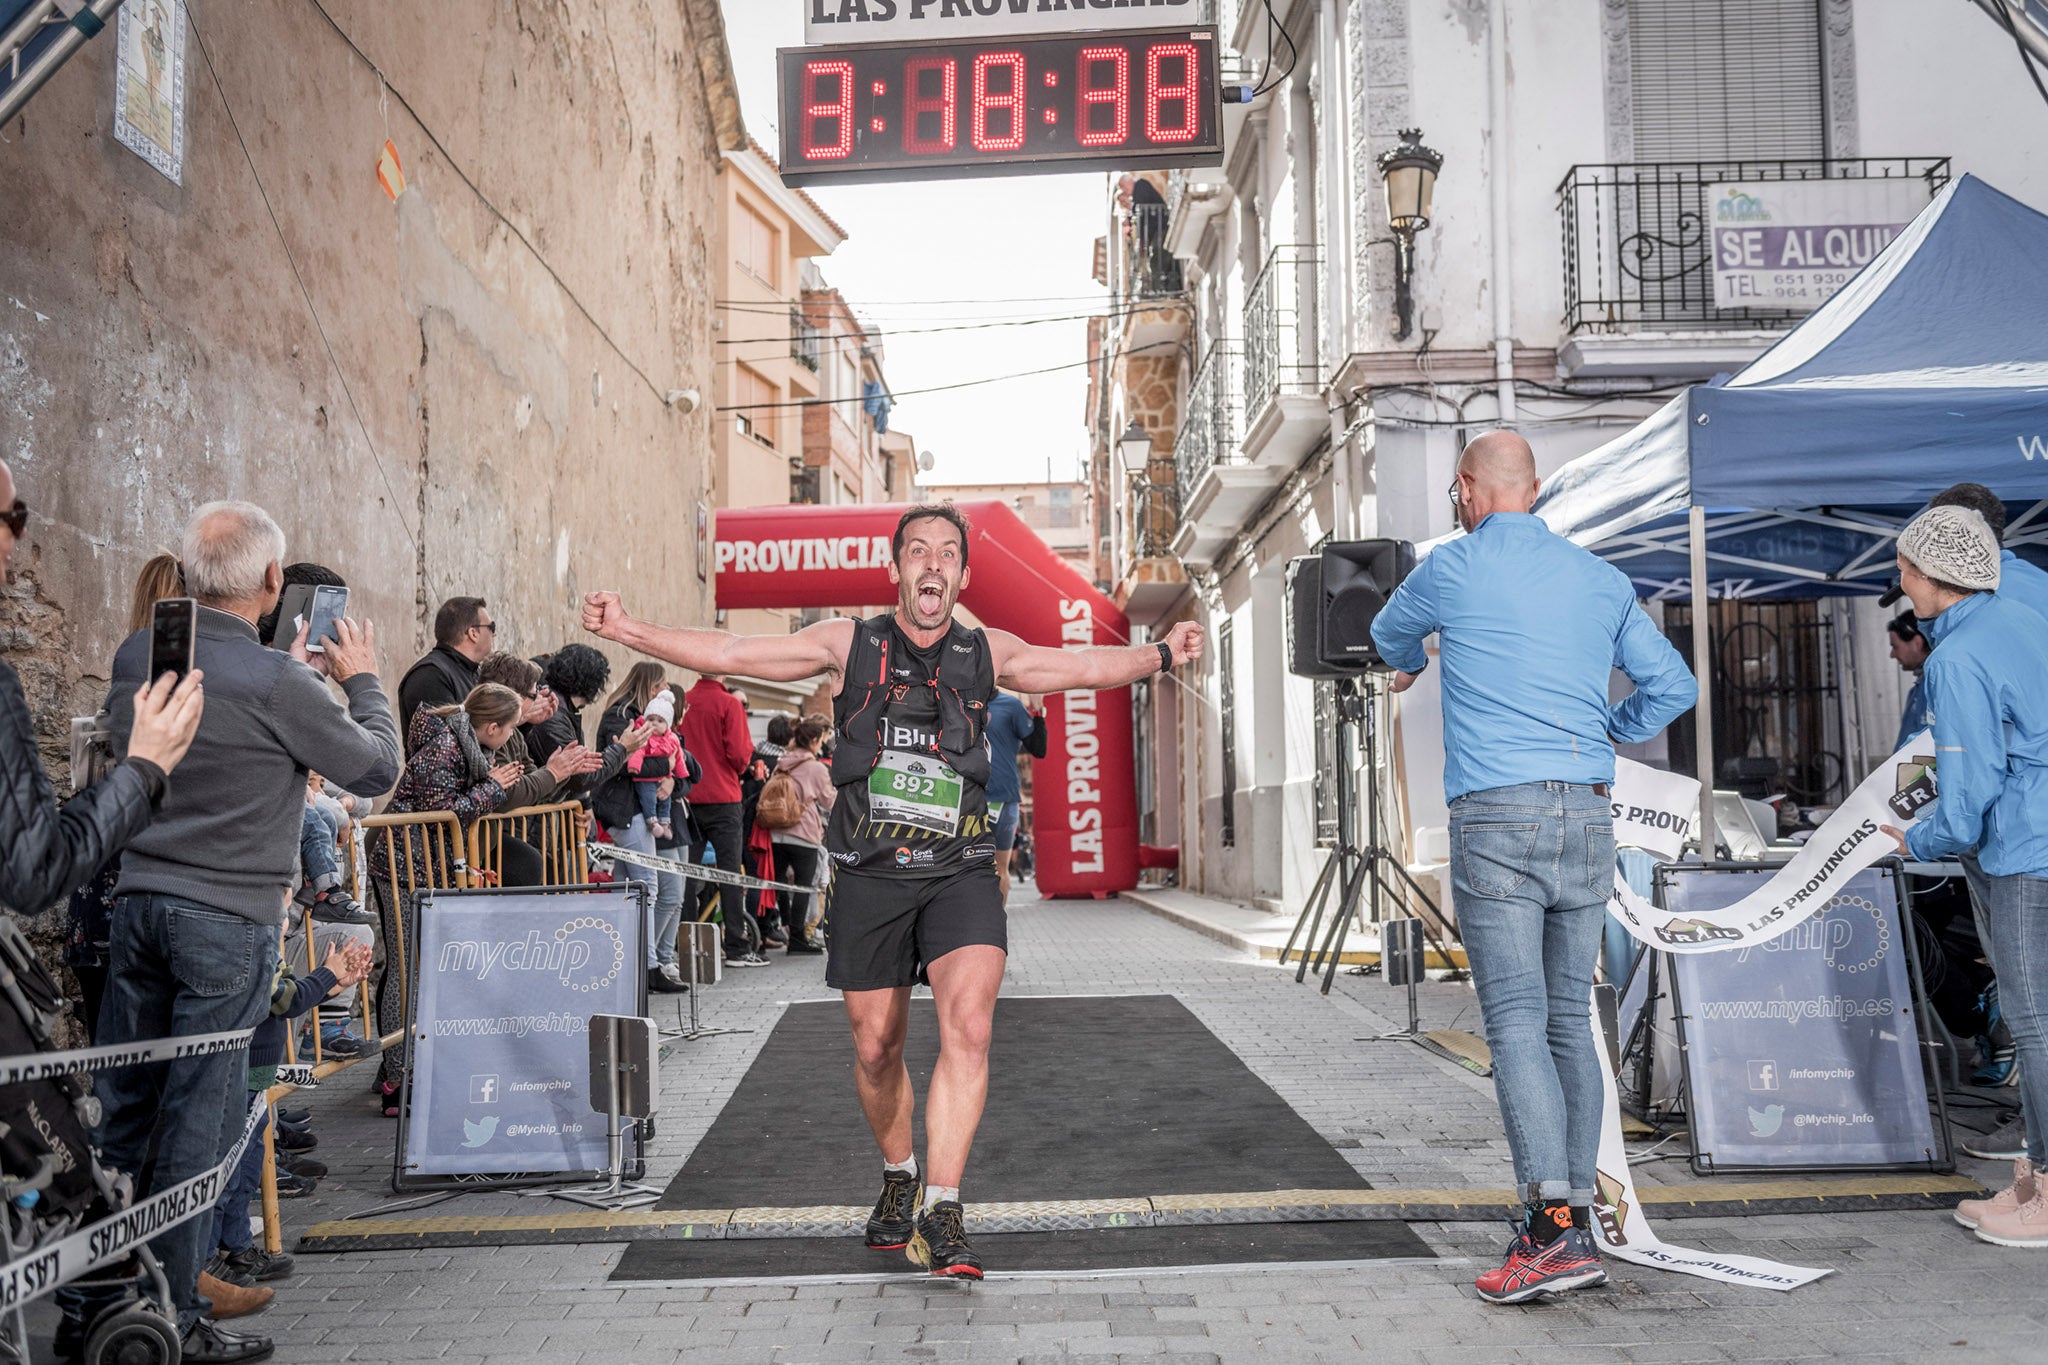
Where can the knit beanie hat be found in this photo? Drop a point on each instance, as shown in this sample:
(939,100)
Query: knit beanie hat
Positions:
(664,704)
(1955,545)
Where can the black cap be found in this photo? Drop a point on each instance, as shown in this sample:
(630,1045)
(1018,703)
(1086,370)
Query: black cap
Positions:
(1892,594)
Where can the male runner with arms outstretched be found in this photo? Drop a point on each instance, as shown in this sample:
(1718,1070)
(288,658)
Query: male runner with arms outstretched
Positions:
(914,895)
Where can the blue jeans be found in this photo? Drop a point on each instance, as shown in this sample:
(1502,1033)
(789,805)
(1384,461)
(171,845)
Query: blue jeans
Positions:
(653,806)
(2012,921)
(665,908)
(180,968)
(1531,869)
(319,849)
(231,1214)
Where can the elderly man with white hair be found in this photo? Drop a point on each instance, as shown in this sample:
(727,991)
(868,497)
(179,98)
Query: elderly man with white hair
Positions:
(202,891)
(1987,688)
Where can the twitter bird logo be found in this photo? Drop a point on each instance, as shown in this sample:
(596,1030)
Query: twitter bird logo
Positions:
(476,1132)
(1765,1122)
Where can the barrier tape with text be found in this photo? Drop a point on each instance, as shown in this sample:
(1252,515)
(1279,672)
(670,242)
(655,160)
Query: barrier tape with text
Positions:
(608,853)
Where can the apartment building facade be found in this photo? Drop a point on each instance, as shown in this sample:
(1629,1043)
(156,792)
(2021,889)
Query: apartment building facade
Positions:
(1284,363)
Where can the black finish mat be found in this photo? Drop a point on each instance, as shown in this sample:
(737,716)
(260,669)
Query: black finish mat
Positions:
(1093,1097)
(1124,1248)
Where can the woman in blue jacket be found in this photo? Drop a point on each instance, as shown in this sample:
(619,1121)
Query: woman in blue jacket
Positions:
(1987,688)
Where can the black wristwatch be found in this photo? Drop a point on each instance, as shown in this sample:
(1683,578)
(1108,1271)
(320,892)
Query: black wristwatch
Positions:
(1165,656)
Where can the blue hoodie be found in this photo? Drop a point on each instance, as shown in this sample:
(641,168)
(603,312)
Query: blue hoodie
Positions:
(1987,686)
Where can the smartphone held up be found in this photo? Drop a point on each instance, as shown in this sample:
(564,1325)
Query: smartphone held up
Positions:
(173,629)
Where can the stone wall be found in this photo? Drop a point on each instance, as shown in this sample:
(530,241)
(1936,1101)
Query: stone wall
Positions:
(462,390)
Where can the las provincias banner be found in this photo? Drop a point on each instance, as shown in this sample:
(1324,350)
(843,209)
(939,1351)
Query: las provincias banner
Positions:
(1655,810)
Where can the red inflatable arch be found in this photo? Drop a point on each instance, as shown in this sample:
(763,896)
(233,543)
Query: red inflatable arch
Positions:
(1084,822)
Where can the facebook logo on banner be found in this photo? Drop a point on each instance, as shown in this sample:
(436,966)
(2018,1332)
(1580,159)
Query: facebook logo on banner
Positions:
(1763,1075)
(483,1089)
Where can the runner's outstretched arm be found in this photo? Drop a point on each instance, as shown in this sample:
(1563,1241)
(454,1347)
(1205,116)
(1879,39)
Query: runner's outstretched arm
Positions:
(819,648)
(1034,668)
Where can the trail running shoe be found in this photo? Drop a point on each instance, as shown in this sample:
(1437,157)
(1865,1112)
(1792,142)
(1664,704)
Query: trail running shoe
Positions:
(2007,1142)
(895,1217)
(940,1243)
(254,1265)
(1529,1271)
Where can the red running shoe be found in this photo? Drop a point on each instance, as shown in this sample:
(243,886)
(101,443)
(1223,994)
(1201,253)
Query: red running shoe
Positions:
(1530,1271)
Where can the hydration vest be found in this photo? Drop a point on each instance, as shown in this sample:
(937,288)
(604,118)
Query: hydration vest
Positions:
(883,679)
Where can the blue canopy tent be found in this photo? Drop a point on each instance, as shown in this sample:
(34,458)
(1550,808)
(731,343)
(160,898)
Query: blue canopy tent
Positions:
(1794,476)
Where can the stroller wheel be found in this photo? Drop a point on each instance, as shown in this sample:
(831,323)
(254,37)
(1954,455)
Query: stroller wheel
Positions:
(133,1336)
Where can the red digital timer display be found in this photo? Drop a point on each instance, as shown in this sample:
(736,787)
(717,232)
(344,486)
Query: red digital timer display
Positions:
(906,111)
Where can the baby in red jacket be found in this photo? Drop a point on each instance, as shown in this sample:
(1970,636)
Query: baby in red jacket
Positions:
(664,743)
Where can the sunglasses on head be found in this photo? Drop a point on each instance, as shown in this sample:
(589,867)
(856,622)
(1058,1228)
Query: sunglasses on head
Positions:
(16,518)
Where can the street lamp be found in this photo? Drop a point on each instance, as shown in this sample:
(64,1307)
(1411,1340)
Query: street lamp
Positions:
(1135,446)
(1409,172)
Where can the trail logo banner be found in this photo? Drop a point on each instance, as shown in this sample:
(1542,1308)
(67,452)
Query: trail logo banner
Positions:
(1900,792)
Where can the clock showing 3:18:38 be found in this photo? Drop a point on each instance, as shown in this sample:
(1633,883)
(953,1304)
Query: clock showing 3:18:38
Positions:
(904,111)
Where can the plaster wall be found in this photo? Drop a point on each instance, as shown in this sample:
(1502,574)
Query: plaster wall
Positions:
(461,391)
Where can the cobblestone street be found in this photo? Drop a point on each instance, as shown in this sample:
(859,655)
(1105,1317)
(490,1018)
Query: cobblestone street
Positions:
(1908,1286)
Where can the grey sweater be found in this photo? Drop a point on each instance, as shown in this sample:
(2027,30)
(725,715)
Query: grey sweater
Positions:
(227,836)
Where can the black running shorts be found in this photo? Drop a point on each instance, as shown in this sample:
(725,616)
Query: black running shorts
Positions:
(882,932)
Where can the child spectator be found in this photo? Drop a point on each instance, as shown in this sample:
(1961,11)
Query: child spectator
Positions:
(656,807)
(237,1259)
(321,890)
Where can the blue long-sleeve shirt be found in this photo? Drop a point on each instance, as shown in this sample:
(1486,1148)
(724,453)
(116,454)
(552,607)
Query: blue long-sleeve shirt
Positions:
(1985,687)
(1531,627)
(1915,717)
(2022,582)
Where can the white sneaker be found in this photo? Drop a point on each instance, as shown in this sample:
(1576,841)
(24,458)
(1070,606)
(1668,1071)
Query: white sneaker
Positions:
(671,972)
(747,960)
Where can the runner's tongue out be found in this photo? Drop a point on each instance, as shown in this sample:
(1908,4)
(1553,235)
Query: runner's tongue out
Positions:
(930,595)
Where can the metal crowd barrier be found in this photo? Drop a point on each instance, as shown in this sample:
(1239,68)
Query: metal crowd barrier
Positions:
(555,831)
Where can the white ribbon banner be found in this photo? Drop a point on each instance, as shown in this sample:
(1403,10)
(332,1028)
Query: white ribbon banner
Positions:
(1625,1233)
(97,1244)
(43,1066)
(1654,810)
(1900,792)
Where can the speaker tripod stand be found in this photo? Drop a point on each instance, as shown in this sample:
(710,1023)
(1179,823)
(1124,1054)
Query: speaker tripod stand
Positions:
(1354,874)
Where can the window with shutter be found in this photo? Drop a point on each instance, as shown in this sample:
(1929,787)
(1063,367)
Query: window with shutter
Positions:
(1717,79)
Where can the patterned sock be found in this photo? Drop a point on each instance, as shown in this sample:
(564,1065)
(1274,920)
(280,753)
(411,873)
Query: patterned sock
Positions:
(907,1166)
(1582,1217)
(1549,1221)
(940,1194)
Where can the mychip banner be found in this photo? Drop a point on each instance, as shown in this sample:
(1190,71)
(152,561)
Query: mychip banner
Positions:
(504,988)
(1803,1051)
(1897,794)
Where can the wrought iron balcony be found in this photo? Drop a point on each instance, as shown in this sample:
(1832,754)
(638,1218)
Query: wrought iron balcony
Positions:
(1214,419)
(1637,251)
(1155,516)
(1279,327)
(803,340)
(1150,270)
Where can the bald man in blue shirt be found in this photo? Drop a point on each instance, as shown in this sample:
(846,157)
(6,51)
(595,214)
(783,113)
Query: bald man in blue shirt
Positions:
(1530,629)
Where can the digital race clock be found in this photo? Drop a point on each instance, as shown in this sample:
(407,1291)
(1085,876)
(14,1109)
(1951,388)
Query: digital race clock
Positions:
(910,111)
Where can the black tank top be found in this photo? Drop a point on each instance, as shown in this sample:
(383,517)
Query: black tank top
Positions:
(911,758)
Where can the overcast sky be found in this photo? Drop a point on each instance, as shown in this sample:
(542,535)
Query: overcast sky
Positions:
(915,251)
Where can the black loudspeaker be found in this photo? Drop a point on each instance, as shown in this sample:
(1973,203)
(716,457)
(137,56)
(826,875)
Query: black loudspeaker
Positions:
(1358,576)
(1305,620)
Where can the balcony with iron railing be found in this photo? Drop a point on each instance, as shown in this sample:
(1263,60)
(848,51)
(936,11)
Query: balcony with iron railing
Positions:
(1218,485)
(1282,380)
(1212,418)
(1150,270)
(804,346)
(1638,245)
